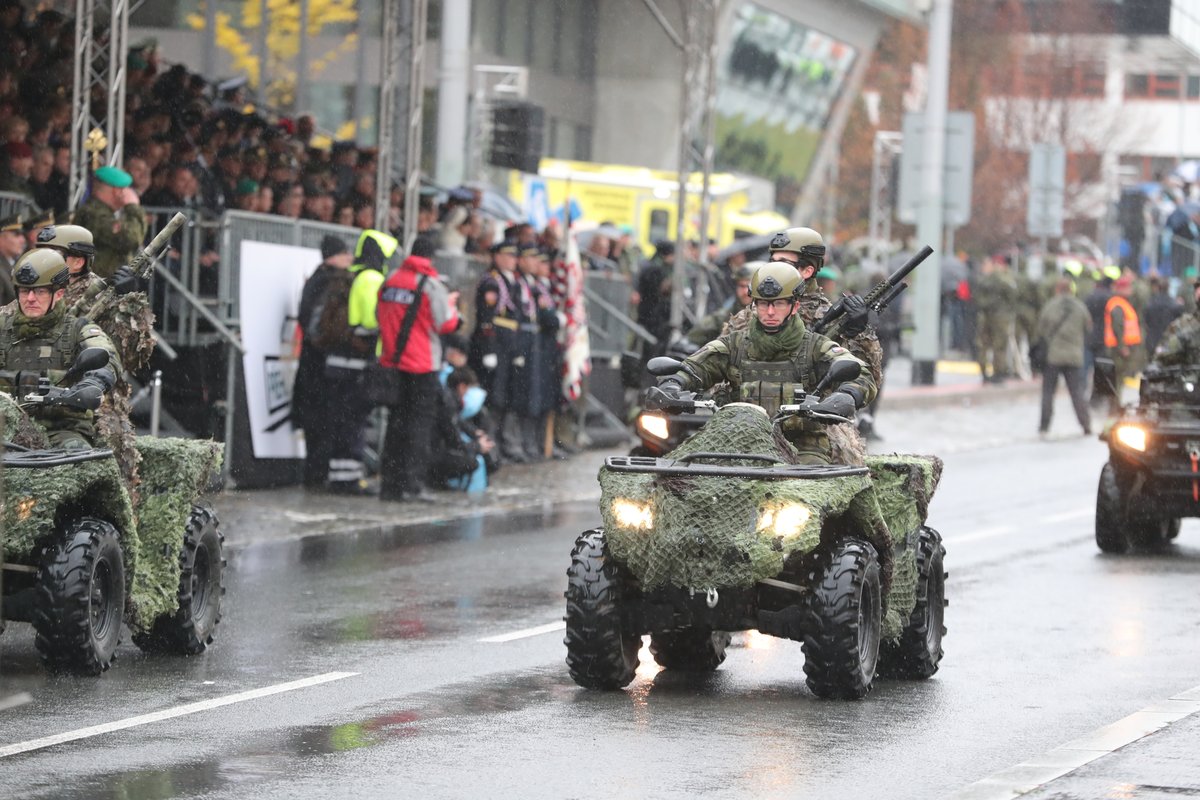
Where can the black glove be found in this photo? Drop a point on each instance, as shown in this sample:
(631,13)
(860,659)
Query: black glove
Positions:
(668,390)
(125,281)
(838,403)
(84,395)
(855,320)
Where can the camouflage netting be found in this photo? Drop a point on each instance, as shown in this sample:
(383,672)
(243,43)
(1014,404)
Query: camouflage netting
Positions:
(904,485)
(18,428)
(173,473)
(705,528)
(35,498)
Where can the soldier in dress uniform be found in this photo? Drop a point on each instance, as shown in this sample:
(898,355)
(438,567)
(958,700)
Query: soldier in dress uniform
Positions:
(502,304)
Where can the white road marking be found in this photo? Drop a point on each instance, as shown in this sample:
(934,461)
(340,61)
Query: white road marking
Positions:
(526,633)
(169,713)
(1037,772)
(1066,515)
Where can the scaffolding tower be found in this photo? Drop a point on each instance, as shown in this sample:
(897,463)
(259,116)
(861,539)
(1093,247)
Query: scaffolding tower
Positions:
(98,89)
(401,111)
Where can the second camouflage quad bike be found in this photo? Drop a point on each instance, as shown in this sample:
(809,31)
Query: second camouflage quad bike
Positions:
(81,556)
(1152,478)
(729,532)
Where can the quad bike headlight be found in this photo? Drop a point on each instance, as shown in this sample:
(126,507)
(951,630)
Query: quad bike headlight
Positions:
(1131,436)
(654,425)
(784,520)
(632,514)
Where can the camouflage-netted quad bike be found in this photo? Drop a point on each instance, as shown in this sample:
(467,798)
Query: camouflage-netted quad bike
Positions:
(1152,478)
(729,533)
(80,558)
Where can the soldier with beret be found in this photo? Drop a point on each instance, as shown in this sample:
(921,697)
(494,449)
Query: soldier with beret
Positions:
(17,169)
(115,218)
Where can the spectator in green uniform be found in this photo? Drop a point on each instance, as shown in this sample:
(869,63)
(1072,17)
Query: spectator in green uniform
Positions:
(116,220)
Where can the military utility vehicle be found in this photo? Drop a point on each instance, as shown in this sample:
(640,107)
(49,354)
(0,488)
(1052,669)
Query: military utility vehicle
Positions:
(728,532)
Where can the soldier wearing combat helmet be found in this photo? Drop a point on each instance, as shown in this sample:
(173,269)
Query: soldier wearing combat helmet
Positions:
(126,319)
(41,338)
(764,362)
(1180,345)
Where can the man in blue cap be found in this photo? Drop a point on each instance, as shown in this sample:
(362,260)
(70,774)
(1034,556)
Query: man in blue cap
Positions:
(116,220)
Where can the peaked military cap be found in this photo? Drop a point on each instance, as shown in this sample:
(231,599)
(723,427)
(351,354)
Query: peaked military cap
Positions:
(12,223)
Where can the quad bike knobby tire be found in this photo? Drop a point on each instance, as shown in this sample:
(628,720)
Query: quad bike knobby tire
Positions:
(841,651)
(918,651)
(1110,530)
(601,654)
(81,599)
(689,650)
(189,629)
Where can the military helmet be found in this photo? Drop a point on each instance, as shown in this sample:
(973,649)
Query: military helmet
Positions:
(804,242)
(39,268)
(775,282)
(74,240)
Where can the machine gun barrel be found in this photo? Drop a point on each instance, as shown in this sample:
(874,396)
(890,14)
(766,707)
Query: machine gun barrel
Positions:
(887,287)
(142,264)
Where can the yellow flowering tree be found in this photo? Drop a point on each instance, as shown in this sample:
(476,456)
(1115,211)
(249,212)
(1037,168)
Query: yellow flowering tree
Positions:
(283,41)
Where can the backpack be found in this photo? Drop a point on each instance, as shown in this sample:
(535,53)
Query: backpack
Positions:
(333,333)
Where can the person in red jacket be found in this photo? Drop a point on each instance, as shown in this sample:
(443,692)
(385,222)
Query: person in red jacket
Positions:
(414,309)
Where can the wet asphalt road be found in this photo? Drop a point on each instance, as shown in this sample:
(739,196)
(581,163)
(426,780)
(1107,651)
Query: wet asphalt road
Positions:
(1048,640)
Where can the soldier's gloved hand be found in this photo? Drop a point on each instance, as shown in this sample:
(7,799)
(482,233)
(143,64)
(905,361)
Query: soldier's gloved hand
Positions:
(855,320)
(125,281)
(668,390)
(85,395)
(839,403)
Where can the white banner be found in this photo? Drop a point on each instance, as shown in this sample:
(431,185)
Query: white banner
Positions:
(272,277)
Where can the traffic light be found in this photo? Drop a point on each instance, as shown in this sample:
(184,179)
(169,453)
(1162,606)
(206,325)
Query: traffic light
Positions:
(517,133)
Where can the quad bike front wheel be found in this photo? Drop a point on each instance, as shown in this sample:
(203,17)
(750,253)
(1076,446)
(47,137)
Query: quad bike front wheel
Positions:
(918,651)
(1110,531)
(81,599)
(189,629)
(841,648)
(697,650)
(601,653)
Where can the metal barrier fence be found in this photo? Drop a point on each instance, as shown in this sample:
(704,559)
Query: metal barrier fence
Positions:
(207,260)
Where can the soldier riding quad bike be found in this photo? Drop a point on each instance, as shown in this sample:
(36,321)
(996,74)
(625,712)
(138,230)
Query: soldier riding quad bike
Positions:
(82,554)
(1152,478)
(729,532)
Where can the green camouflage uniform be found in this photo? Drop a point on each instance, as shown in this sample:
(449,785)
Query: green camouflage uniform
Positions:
(995,297)
(848,444)
(1180,345)
(113,247)
(764,369)
(50,344)
(129,324)
(1029,305)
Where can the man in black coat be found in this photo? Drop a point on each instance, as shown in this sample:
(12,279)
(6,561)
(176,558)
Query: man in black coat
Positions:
(309,396)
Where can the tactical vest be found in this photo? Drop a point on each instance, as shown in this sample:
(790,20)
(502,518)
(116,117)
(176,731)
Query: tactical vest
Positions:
(23,361)
(771,384)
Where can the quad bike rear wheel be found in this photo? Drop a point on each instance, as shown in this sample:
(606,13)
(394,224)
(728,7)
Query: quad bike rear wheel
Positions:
(918,651)
(601,653)
(841,648)
(189,629)
(81,599)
